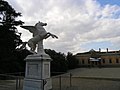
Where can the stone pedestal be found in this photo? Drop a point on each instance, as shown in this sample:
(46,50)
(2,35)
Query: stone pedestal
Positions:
(37,75)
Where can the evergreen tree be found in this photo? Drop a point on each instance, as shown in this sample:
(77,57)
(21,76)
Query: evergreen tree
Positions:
(9,36)
(72,61)
(59,63)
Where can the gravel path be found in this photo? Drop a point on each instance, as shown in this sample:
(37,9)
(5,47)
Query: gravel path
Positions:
(96,79)
(96,72)
(78,82)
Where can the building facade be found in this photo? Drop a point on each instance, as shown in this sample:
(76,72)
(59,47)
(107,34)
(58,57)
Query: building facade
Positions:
(99,59)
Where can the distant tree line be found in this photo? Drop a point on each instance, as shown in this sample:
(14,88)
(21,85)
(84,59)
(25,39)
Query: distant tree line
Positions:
(61,62)
(72,61)
(12,57)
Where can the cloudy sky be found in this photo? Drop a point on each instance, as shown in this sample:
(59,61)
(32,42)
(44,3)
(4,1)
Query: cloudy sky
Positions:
(81,25)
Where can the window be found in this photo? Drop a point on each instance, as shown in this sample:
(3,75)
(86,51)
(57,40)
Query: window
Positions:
(103,60)
(95,63)
(88,61)
(83,62)
(117,60)
(110,61)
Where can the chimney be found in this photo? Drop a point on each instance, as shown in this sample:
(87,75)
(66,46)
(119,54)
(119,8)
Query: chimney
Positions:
(99,49)
(107,49)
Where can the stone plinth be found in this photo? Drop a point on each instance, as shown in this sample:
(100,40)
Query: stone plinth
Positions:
(37,75)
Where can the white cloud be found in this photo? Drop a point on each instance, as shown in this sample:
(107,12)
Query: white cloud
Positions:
(76,22)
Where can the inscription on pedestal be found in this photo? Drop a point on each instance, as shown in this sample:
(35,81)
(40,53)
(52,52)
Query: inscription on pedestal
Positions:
(46,70)
(32,70)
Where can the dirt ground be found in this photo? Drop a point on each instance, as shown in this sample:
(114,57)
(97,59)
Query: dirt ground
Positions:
(81,79)
(100,79)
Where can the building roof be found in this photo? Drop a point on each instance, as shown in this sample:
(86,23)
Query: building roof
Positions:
(100,53)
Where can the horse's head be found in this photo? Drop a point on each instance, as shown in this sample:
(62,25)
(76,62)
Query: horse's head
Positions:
(40,24)
(40,29)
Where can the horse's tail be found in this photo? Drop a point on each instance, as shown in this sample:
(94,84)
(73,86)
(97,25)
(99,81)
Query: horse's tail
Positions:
(31,44)
(23,45)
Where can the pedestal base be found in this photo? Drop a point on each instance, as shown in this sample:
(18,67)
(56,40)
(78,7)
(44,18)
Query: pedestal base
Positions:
(32,84)
(37,75)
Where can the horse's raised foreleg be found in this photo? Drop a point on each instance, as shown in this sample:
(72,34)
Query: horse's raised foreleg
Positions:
(50,34)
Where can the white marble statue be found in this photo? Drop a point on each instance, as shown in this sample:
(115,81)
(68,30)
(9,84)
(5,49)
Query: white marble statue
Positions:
(39,33)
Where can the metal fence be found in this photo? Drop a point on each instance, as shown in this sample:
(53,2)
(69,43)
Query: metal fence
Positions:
(63,82)
(11,81)
(70,82)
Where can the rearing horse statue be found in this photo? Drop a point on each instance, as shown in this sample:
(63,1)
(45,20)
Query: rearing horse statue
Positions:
(39,33)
